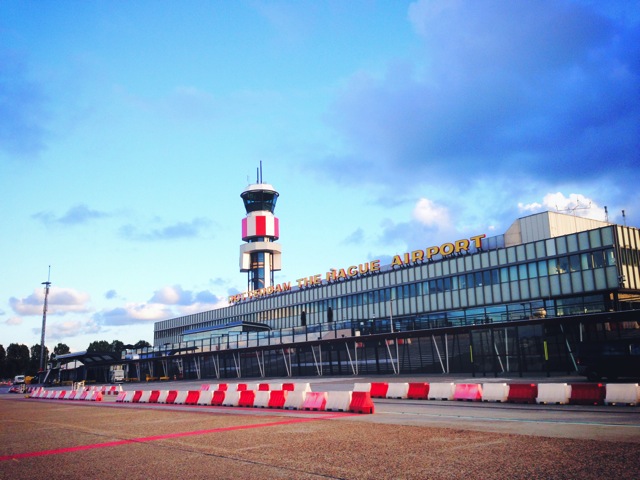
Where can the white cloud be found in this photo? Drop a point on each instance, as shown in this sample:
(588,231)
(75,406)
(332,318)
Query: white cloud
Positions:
(428,213)
(60,301)
(69,328)
(574,204)
(14,321)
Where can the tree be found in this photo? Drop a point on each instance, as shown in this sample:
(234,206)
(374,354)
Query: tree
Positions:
(3,362)
(61,349)
(99,346)
(116,347)
(17,359)
(142,344)
(34,360)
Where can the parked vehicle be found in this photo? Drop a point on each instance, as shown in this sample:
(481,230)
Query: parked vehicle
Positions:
(611,359)
(19,380)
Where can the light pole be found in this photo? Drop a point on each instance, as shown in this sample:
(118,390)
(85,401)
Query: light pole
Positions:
(46,284)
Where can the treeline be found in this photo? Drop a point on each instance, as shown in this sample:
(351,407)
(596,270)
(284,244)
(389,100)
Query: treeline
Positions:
(18,359)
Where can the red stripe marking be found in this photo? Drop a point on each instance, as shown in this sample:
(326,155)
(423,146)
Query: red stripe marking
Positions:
(261,225)
(154,438)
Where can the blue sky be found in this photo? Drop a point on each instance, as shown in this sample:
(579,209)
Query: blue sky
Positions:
(128,131)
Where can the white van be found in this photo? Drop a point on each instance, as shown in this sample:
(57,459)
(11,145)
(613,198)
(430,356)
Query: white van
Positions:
(18,380)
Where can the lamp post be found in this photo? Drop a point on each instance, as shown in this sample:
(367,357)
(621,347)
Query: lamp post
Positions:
(46,284)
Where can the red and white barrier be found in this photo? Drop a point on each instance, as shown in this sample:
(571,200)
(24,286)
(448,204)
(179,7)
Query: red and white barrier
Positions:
(441,391)
(622,394)
(495,392)
(338,401)
(468,391)
(553,393)
(398,390)
(295,399)
(262,398)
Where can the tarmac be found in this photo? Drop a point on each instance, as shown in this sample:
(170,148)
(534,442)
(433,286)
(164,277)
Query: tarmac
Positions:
(58,439)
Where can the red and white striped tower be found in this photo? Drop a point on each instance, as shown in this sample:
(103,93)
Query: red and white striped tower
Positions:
(261,255)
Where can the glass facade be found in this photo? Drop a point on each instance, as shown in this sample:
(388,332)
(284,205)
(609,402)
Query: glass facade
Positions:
(579,272)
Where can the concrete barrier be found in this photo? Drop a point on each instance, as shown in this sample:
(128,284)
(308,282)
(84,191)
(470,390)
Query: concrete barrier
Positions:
(398,390)
(553,393)
(418,390)
(181,397)
(587,394)
(362,387)
(278,398)
(247,397)
(622,394)
(522,392)
(361,403)
(261,399)
(441,391)
(295,399)
(231,398)
(218,397)
(144,398)
(316,401)
(468,391)
(378,389)
(338,401)
(205,397)
(495,392)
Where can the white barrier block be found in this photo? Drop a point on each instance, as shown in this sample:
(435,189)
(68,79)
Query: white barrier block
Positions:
(301,387)
(275,386)
(144,398)
(252,386)
(231,398)
(181,397)
(205,397)
(398,390)
(127,397)
(338,401)
(362,387)
(295,399)
(556,393)
(495,392)
(622,393)
(441,391)
(162,397)
(261,399)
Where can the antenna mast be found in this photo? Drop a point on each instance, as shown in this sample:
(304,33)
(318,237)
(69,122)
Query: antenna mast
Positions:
(46,284)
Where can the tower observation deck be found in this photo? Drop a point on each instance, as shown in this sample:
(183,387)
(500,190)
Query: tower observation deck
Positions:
(260,256)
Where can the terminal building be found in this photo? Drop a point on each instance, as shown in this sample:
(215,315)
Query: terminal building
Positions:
(515,303)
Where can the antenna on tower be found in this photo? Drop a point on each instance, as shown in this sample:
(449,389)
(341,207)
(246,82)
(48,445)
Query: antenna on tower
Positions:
(606,214)
(624,218)
(572,210)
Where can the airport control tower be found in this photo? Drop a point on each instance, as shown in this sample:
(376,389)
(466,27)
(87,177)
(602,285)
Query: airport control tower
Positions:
(261,255)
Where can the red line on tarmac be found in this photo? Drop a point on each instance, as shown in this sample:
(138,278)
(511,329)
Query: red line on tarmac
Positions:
(154,438)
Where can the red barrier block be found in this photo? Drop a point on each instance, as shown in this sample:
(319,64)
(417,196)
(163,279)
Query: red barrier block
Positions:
(119,398)
(468,391)
(263,387)
(62,394)
(241,386)
(171,396)
(277,398)
(97,397)
(522,393)
(218,397)
(247,397)
(587,394)
(418,391)
(379,389)
(192,397)
(153,397)
(204,386)
(315,401)
(288,386)
(361,403)
(223,386)
(84,394)
(136,396)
